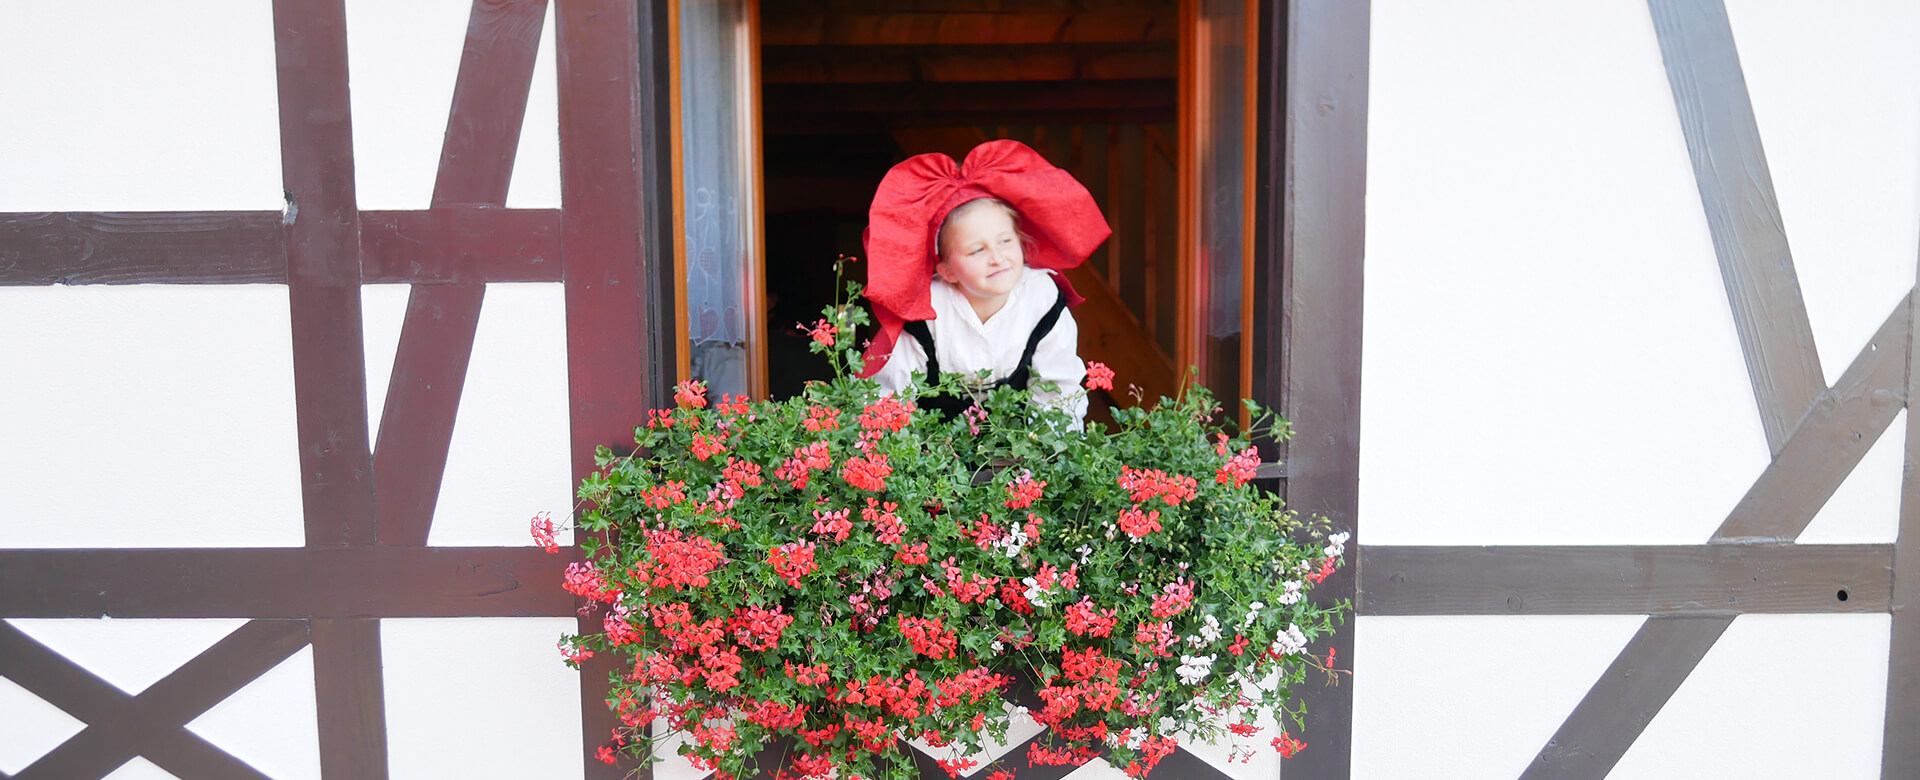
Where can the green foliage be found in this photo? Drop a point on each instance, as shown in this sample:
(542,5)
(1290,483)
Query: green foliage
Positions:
(691,562)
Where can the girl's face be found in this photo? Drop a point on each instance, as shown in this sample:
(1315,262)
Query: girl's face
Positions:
(980,253)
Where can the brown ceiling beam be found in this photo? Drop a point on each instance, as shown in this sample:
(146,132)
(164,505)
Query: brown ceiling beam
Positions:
(285,582)
(1039,62)
(997,97)
(801,27)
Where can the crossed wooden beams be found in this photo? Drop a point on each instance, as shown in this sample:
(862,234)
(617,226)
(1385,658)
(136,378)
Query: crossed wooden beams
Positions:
(1817,433)
(367,510)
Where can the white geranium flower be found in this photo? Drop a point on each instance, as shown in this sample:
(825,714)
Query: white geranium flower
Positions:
(1337,544)
(1290,642)
(1034,594)
(1210,629)
(1293,594)
(1194,668)
(1253,613)
(1085,551)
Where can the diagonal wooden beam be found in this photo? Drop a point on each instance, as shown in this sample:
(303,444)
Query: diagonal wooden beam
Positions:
(1704,579)
(436,341)
(1629,694)
(1899,750)
(1836,432)
(1743,216)
(152,723)
(1750,242)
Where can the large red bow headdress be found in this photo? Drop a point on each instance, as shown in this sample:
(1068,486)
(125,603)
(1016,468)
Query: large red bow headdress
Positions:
(915,198)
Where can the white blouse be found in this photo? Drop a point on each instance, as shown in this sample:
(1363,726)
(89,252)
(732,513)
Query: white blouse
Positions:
(967,345)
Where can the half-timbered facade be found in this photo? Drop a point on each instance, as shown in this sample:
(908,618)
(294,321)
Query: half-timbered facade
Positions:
(306,306)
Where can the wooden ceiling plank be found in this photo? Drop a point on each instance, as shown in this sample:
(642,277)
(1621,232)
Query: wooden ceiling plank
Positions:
(1698,579)
(143,247)
(1002,98)
(796,27)
(1036,62)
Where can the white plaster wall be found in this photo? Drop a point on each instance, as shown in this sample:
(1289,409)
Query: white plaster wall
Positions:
(403,59)
(1446,698)
(1779,697)
(480,698)
(134,105)
(148,416)
(1549,354)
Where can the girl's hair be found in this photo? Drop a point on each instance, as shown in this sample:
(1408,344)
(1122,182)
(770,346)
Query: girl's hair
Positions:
(1019,229)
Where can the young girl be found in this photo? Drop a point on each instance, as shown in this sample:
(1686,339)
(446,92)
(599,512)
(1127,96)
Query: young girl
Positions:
(964,260)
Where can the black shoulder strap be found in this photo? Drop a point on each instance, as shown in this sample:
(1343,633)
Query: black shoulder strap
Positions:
(1024,373)
(918,330)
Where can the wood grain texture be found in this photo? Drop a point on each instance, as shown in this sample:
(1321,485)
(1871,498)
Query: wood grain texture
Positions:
(616,244)
(489,102)
(149,724)
(1831,438)
(423,400)
(1743,216)
(351,695)
(1721,579)
(1320,54)
(797,25)
(145,247)
(323,264)
(1620,705)
(289,582)
(460,245)
(1900,751)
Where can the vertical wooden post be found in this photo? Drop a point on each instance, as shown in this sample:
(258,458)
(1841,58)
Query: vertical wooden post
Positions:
(1307,297)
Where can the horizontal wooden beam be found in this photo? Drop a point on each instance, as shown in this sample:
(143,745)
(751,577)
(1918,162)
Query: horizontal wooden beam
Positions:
(1705,579)
(824,123)
(290,582)
(454,245)
(460,245)
(1037,62)
(983,96)
(797,26)
(175,247)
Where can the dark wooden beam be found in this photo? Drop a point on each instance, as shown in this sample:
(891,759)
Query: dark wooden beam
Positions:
(152,723)
(353,738)
(1736,190)
(436,341)
(1032,62)
(285,582)
(616,185)
(1636,685)
(973,97)
(173,247)
(460,245)
(323,271)
(1720,579)
(1900,751)
(1831,438)
(798,26)
(1308,306)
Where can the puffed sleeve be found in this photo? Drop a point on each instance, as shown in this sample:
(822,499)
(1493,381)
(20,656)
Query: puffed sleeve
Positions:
(898,372)
(1056,359)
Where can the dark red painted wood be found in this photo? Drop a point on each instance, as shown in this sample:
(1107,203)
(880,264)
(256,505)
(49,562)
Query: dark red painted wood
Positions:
(1900,752)
(351,698)
(436,343)
(292,582)
(149,724)
(460,245)
(175,247)
(612,58)
(323,263)
(423,398)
